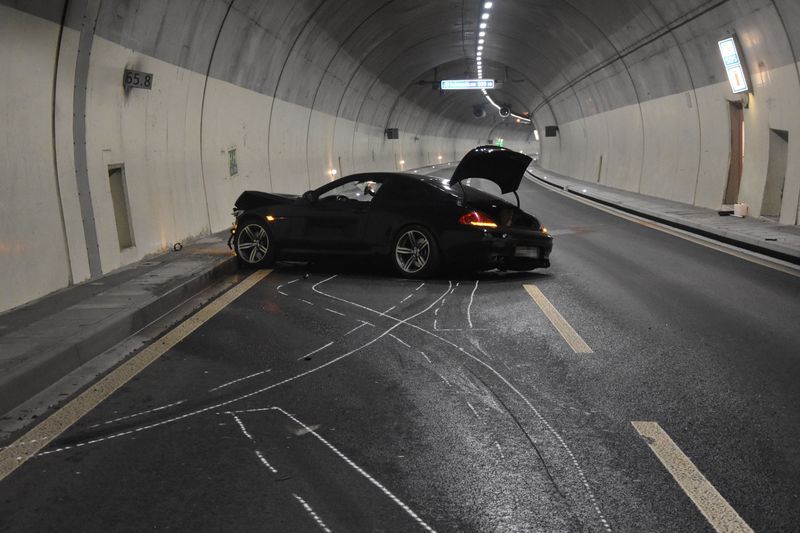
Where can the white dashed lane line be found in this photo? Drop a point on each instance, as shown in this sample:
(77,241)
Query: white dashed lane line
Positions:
(334,312)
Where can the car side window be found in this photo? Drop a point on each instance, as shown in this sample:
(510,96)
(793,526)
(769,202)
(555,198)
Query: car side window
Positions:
(361,190)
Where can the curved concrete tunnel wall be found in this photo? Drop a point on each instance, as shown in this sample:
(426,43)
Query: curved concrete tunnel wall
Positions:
(649,109)
(299,88)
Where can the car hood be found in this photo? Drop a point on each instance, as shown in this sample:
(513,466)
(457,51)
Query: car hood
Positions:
(253,199)
(502,166)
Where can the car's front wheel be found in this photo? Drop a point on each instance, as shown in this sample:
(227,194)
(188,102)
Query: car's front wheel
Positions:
(254,245)
(414,253)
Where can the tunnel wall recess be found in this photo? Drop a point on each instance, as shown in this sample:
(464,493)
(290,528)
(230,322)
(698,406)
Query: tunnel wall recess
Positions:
(276,96)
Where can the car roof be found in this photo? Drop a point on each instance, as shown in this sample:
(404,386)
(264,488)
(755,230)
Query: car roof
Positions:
(439,183)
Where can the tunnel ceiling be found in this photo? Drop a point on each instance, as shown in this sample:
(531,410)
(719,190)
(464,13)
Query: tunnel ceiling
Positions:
(366,59)
(536,49)
(375,61)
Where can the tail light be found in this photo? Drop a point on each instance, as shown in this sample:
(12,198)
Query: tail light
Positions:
(476,218)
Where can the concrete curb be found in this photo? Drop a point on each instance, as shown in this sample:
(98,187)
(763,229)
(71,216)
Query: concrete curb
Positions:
(43,366)
(746,242)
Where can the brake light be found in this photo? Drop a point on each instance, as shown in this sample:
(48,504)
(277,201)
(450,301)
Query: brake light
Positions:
(476,218)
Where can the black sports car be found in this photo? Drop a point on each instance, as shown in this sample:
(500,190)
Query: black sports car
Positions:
(417,222)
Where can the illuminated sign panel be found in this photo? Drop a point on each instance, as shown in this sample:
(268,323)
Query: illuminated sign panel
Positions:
(465,85)
(733,65)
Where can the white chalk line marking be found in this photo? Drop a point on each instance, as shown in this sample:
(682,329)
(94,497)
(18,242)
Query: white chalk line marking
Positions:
(228,384)
(444,379)
(500,449)
(315,351)
(542,419)
(78,407)
(392,308)
(400,341)
(469,307)
(284,284)
(347,460)
(356,328)
(136,414)
(474,411)
(428,359)
(418,288)
(311,513)
(334,312)
(463,329)
(249,394)
(406,298)
(306,301)
(265,462)
(240,423)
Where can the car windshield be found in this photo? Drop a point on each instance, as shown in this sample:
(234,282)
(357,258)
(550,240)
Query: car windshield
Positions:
(362,190)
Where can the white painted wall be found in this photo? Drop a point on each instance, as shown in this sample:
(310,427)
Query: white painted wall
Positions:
(33,254)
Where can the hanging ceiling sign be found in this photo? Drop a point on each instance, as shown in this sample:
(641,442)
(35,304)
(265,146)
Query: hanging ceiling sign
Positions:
(466,85)
(733,65)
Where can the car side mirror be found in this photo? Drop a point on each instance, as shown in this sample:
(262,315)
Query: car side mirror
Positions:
(309,197)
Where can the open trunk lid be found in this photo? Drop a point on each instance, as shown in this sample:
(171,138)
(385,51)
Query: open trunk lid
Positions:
(500,165)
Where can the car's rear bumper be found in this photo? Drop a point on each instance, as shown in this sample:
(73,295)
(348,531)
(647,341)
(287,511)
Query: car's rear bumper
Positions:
(505,248)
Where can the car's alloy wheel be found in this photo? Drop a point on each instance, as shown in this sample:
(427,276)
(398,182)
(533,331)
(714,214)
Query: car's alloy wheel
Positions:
(253,244)
(414,253)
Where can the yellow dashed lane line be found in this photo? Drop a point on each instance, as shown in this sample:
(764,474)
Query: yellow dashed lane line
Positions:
(718,512)
(574,340)
(40,436)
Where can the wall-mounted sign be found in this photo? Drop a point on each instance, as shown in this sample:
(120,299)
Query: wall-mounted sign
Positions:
(466,85)
(137,80)
(733,65)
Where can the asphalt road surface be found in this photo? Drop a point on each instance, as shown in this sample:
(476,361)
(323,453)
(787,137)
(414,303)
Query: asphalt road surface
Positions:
(344,399)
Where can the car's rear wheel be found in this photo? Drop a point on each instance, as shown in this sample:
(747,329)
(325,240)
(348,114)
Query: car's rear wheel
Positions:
(254,245)
(414,253)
